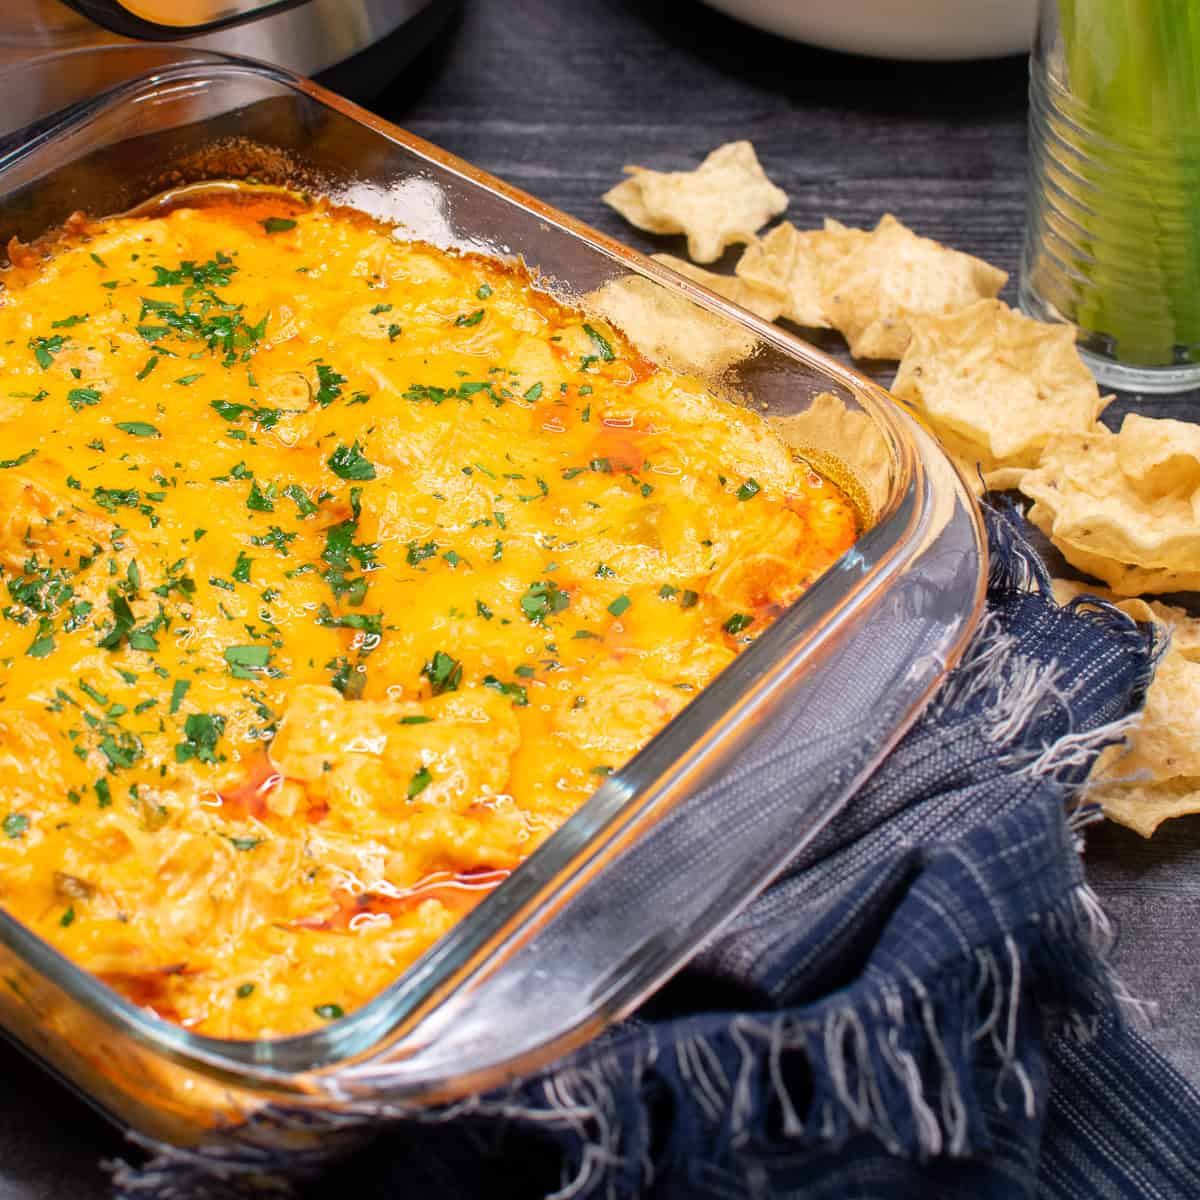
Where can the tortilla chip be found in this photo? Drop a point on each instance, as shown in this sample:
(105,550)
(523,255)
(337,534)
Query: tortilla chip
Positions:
(831,433)
(997,383)
(765,302)
(727,199)
(1158,776)
(1167,742)
(871,293)
(789,262)
(1100,507)
(669,329)
(1161,459)
(1143,807)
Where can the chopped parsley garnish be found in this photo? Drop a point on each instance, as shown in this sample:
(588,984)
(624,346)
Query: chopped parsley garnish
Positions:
(79,398)
(44,349)
(245,843)
(259,501)
(244,990)
(603,347)
(485,290)
(737,623)
(328,1012)
(68,322)
(348,679)
(245,660)
(517,691)
(141,638)
(15,825)
(749,489)
(365,622)
(43,644)
(278,538)
(20,460)
(443,672)
(419,782)
(138,429)
(534,393)
(330,385)
(241,568)
(204,317)
(340,549)
(542,600)
(473,319)
(178,692)
(203,731)
(264,417)
(347,462)
(217,272)
(277,224)
(419,552)
(295,492)
(619,605)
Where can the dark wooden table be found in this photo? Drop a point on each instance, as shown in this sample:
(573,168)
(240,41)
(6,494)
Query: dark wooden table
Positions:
(555,97)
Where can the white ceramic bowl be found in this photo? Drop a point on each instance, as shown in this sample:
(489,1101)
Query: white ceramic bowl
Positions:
(921,29)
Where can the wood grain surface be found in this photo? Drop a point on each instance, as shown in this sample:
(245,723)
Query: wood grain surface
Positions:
(556,96)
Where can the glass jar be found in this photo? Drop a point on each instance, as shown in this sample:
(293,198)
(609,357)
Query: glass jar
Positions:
(1112,242)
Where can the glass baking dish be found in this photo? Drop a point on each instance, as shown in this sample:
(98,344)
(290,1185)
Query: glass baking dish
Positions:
(674,843)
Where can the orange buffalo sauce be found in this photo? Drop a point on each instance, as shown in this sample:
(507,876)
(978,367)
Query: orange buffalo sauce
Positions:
(336,572)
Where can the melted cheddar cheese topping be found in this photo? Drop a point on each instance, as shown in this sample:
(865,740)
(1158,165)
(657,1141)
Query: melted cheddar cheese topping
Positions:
(337,572)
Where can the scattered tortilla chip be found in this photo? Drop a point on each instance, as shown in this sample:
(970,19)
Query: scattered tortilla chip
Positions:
(669,329)
(727,199)
(1158,776)
(1166,744)
(1161,459)
(1097,504)
(831,433)
(763,301)
(789,262)
(997,384)
(1143,807)
(871,293)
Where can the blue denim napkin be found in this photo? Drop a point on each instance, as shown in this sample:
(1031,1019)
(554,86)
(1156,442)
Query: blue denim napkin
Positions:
(919,1006)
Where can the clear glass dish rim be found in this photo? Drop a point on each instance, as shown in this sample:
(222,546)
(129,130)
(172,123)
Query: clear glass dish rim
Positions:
(355,1035)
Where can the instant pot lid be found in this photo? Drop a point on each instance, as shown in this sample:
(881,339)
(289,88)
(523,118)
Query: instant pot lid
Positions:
(55,53)
(154,20)
(305,36)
